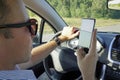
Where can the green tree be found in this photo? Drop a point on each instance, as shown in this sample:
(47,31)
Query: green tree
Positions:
(84,8)
(65,9)
(99,8)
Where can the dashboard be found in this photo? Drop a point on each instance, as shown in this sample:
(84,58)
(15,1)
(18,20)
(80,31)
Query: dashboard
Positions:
(108,48)
(114,53)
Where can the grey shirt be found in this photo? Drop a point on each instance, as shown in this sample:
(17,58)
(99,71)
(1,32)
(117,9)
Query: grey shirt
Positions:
(17,75)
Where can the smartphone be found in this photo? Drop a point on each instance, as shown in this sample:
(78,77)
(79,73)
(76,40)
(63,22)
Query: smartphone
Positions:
(86,29)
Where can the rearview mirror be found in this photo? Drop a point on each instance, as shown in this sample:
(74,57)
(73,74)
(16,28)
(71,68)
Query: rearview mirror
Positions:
(114,4)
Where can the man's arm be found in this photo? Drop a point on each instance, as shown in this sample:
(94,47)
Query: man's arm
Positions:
(41,52)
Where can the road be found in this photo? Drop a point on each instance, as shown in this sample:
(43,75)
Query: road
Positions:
(114,28)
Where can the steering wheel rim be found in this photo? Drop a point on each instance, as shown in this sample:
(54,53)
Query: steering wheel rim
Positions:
(45,62)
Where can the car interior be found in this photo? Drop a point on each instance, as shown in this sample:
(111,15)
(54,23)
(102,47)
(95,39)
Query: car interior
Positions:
(61,64)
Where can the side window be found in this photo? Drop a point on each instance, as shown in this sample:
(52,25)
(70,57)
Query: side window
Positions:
(36,39)
(48,33)
(45,31)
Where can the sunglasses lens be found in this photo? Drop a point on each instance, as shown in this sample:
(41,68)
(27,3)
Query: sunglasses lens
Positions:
(33,27)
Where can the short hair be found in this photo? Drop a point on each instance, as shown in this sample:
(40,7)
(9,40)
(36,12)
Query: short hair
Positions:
(4,10)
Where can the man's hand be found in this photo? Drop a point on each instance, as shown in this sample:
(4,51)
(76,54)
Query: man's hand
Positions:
(68,33)
(87,62)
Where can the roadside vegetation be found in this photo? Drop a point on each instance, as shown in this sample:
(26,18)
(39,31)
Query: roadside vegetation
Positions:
(99,22)
(73,10)
(84,9)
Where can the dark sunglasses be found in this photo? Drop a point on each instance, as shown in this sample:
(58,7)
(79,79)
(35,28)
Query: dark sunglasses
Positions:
(31,24)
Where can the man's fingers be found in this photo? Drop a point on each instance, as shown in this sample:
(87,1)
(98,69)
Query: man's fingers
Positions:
(93,43)
(80,53)
(75,34)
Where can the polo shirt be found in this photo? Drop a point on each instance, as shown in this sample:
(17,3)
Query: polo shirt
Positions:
(17,74)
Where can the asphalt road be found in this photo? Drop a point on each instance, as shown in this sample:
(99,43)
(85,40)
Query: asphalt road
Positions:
(114,28)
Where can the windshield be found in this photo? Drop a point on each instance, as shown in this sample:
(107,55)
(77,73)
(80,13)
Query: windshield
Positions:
(72,11)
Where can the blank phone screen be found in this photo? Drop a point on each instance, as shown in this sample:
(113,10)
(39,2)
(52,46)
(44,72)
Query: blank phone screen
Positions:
(86,30)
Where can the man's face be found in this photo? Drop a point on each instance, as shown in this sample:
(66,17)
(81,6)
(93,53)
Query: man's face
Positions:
(19,47)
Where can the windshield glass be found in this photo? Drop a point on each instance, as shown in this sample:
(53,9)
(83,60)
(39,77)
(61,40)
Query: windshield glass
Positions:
(72,11)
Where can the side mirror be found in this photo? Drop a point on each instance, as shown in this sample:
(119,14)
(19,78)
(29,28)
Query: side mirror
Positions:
(114,4)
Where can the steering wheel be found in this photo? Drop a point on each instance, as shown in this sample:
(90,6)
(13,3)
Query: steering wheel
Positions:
(56,74)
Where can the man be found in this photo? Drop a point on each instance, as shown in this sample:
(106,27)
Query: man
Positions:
(16,35)
(16,43)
